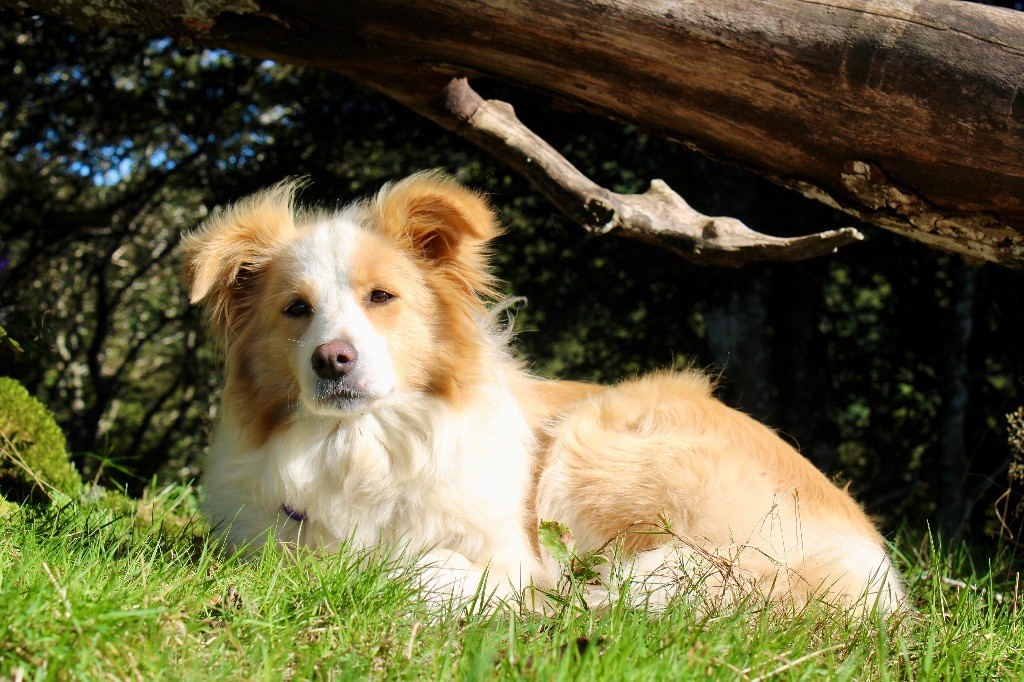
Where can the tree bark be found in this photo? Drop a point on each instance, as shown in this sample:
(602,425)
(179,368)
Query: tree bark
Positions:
(905,114)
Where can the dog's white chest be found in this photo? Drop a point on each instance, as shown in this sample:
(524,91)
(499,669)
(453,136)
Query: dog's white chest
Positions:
(442,481)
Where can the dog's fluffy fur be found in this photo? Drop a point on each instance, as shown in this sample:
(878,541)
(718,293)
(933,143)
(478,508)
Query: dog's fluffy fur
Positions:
(430,436)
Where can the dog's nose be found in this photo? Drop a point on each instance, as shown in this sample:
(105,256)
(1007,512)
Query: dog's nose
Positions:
(334,359)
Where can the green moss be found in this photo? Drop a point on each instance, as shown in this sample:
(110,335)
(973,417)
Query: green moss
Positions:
(33,452)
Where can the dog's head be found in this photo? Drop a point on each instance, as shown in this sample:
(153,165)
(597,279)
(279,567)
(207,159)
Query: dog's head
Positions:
(339,312)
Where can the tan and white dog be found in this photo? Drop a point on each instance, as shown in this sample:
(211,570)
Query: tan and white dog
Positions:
(370,394)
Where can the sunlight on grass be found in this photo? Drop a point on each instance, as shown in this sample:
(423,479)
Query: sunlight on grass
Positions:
(96,592)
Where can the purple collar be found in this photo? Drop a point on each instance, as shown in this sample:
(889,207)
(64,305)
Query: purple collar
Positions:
(293,514)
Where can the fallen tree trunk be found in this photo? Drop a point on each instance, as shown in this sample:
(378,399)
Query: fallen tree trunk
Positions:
(904,114)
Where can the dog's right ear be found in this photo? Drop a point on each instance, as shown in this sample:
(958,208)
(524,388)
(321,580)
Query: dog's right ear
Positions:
(225,255)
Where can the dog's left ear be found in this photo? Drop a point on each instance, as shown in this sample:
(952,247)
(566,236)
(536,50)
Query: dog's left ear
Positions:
(445,223)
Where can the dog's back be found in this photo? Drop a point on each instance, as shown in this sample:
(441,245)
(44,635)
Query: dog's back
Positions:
(659,466)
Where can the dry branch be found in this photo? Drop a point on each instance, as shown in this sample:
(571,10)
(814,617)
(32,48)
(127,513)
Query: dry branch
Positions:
(659,216)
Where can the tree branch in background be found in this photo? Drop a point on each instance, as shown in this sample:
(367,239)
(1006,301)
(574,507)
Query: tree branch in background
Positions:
(659,216)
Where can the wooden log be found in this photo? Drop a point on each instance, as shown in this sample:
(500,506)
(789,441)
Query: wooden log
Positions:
(905,114)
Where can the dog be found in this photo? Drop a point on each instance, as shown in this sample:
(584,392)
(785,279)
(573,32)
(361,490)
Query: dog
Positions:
(371,397)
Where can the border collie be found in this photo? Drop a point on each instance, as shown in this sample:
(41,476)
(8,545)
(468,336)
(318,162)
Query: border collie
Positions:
(371,396)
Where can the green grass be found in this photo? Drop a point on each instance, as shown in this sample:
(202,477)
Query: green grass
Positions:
(93,593)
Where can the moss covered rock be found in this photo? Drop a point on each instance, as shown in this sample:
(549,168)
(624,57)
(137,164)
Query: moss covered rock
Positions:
(33,452)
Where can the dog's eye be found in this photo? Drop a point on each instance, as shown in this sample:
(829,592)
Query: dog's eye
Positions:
(298,309)
(380,296)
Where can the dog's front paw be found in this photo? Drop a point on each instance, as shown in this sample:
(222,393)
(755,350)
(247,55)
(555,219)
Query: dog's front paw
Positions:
(447,578)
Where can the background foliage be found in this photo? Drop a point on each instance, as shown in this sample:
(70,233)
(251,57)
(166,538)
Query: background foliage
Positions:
(891,365)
